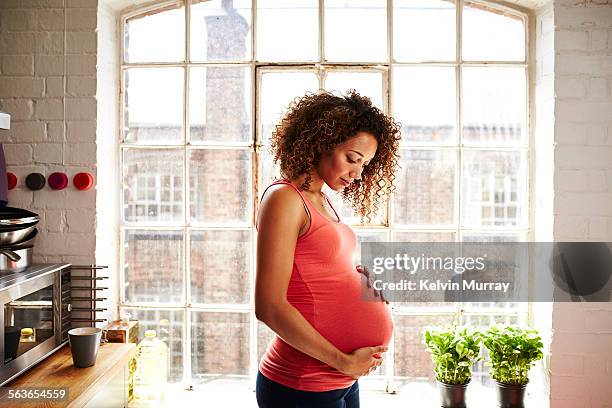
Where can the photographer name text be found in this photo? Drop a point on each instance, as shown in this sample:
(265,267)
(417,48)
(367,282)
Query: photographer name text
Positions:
(438,285)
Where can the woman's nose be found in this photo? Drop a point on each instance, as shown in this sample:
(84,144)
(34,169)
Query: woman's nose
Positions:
(356,174)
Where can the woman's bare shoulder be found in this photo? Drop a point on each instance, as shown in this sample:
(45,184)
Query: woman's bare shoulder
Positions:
(284,204)
(281,195)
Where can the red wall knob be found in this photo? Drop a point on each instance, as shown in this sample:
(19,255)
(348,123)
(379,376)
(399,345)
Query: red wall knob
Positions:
(58,181)
(11,180)
(83,181)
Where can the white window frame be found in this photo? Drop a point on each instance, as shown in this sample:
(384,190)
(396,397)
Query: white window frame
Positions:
(257,68)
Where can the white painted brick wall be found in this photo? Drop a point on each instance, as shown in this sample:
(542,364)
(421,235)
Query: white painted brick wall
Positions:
(45,85)
(81,86)
(21,109)
(55,132)
(581,364)
(18,65)
(81,131)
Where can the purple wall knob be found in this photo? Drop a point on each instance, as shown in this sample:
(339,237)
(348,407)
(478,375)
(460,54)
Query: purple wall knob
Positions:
(58,181)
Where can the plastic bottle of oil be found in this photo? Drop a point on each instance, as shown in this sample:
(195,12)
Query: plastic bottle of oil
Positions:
(27,335)
(151,373)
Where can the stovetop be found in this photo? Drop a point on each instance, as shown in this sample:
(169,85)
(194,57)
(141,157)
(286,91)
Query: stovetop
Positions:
(13,278)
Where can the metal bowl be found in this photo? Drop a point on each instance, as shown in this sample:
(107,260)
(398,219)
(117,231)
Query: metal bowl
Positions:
(8,238)
(27,241)
(11,216)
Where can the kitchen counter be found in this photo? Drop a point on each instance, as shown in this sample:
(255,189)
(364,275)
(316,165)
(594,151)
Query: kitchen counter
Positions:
(104,384)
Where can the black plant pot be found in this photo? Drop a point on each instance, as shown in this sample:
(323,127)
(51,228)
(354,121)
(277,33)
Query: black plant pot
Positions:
(510,395)
(452,395)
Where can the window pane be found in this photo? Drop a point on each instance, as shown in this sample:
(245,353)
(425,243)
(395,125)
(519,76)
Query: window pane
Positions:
(490,34)
(220,104)
(502,307)
(268,171)
(220,30)
(169,328)
(356,31)
(153,266)
(278,90)
(220,264)
(417,236)
(366,83)
(509,265)
(494,189)
(153,185)
(364,235)
(411,356)
(471,236)
(424,102)
(347,215)
(220,185)
(219,344)
(494,111)
(157,36)
(153,111)
(426,187)
(278,36)
(417,19)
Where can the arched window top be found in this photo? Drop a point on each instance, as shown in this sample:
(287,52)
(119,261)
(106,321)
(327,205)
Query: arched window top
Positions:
(324,31)
(492,33)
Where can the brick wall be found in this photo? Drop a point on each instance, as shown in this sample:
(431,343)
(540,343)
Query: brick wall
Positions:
(581,367)
(48,84)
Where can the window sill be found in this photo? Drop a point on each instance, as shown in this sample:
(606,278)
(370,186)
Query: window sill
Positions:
(239,393)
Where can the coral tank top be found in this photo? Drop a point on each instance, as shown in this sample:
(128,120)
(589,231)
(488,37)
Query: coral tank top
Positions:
(326,289)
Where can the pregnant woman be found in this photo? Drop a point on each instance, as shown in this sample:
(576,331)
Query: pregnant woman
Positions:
(329,332)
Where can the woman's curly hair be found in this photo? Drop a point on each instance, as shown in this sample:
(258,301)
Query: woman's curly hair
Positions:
(317,122)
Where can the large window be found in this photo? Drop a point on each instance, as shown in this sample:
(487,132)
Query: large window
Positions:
(203,85)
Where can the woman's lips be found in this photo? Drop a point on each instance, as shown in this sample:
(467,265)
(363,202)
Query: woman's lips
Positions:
(346,183)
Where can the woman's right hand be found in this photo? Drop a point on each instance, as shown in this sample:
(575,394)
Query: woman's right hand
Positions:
(362,361)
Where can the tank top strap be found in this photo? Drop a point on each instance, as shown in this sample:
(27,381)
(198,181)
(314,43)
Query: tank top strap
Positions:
(332,207)
(312,212)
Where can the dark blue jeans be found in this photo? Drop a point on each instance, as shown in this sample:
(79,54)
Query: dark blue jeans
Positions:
(271,394)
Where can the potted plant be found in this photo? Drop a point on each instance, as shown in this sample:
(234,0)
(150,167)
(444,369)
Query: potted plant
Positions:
(513,351)
(453,352)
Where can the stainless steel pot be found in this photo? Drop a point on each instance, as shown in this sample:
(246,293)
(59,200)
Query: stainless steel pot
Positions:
(9,265)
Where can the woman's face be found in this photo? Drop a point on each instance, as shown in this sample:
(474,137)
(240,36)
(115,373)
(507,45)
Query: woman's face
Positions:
(347,160)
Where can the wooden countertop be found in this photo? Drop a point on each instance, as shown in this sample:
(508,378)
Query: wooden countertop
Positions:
(57,371)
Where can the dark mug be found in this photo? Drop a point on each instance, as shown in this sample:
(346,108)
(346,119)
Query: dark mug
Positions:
(12,335)
(84,345)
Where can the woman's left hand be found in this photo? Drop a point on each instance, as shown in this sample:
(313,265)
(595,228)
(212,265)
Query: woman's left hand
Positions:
(365,272)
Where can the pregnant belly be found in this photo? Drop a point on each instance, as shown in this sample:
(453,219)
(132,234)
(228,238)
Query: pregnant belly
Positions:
(348,319)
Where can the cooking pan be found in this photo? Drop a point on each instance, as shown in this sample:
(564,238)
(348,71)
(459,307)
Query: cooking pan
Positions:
(11,216)
(16,235)
(27,241)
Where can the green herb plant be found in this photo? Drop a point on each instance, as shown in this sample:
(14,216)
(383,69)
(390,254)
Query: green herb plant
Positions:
(453,352)
(513,352)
